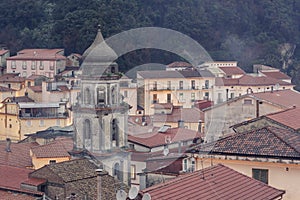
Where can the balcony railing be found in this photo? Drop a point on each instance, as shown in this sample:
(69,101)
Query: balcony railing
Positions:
(44,115)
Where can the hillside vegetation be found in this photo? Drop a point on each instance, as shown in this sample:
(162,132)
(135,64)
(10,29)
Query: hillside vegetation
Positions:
(252,31)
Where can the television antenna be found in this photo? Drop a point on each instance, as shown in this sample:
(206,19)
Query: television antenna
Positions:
(146,196)
(121,195)
(133,192)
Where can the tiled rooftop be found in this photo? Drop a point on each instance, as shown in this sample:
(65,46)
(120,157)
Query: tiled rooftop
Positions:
(232,71)
(276,74)
(36,88)
(57,148)
(285,98)
(215,183)
(156,138)
(289,118)
(38,54)
(248,80)
(265,142)
(19,155)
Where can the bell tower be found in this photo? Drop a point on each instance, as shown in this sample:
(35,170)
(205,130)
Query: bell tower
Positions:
(100,118)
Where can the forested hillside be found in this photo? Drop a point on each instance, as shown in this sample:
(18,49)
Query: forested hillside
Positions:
(252,31)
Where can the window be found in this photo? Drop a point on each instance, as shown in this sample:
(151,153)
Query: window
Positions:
(248,101)
(41,65)
(87,96)
(33,65)
(24,65)
(193,86)
(125,93)
(185,165)
(58,122)
(206,95)
(180,85)
(115,132)
(169,85)
(13,64)
(169,98)
(261,175)
(116,171)
(42,122)
(9,85)
(51,65)
(155,98)
(133,172)
(206,84)
(24,74)
(192,97)
(10,126)
(155,85)
(231,95)
(180,97)
(52,161)
(28,122)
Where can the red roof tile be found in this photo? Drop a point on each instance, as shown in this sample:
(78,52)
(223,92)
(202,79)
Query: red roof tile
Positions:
(156,138)
(3,51)
(232,71)
(216,182)
(57,148)
(5,89)
(202,104)
(248,80)
(285,98)
(19,155)
(289,118)
(37,88)
(163,106)
(13,176)
(11,77)
(276,74)
(39,54)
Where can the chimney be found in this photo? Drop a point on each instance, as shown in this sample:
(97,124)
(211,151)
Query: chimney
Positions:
(100,175)
(180,124)
(8,143)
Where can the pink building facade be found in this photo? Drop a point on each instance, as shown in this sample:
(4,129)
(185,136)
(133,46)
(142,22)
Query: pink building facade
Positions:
(47,62)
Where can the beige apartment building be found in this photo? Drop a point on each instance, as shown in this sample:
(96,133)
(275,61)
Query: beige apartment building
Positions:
(21,115)
(181,88)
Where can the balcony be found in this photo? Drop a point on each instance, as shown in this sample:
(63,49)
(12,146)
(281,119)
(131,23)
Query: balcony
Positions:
(43,115)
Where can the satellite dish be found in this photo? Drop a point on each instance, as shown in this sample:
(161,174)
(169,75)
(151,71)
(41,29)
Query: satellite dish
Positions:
(133,192)
(166,152)
(121,195)
(146,196)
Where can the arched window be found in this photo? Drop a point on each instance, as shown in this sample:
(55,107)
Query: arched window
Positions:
(113,96)
(116,171)
(101,95)
(115,132)
(87,96)
(87,132)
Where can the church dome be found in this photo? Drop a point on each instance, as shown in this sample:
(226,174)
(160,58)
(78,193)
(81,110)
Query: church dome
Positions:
(98,54)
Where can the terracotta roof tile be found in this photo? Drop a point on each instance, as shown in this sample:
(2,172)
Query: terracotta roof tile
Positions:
(155,138)
(3,51)
(276,74)
(289,118)
(232,71)
(57,148)
(11,77)
(267,141)
(36,88)
(19,155)
(285,98)
(38,54)
(12,195)
(248,80)
(216,182)
(19,99)
(13,176)
(5,89)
